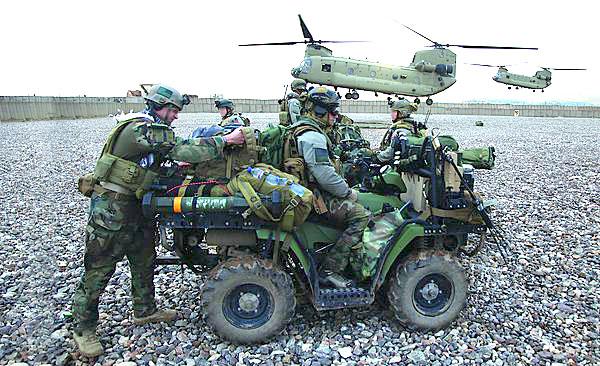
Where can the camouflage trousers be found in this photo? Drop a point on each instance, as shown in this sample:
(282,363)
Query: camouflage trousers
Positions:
(115,229)
(354,217)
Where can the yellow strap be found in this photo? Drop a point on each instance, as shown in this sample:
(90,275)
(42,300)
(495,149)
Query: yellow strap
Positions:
(188,179)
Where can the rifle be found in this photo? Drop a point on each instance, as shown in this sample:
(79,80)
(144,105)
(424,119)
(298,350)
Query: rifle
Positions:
(284,95)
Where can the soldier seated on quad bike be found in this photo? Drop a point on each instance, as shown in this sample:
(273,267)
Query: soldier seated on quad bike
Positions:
(339,206)
(402,125)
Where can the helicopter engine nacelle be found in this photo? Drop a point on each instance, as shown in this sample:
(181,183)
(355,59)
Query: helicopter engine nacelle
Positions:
(444,69)
(425,67)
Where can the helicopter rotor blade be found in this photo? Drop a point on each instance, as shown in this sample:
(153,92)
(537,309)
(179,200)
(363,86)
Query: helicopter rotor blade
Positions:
(486,65)
(562,69)
(305,31)
(429,39)
(273,43)
(491,47)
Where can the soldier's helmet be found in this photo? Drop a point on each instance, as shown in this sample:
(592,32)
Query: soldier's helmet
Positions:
(224,103)
(321,101)
(298,84)
(292,95)
(404,107)
(161,95)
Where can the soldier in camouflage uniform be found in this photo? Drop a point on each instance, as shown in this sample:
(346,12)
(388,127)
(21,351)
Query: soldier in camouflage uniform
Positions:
(130,159)
(402,125)
(296,101)
(290,109)
(230,120)
(314,147)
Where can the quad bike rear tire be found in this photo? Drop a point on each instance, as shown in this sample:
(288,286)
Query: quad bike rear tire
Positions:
(248,300)
(428,290)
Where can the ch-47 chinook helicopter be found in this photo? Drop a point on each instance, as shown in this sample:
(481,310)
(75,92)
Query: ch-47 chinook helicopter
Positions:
(540,80)
(430,72)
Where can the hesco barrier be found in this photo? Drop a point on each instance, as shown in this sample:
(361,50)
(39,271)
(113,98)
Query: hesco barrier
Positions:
(43,108)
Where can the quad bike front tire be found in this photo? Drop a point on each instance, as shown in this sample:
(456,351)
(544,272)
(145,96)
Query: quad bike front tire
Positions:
(428,290)
(248,300)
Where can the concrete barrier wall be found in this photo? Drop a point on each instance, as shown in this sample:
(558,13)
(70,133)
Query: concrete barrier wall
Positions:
(44,108)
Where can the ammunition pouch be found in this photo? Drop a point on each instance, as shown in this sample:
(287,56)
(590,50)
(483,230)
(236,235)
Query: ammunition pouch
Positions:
(124,173)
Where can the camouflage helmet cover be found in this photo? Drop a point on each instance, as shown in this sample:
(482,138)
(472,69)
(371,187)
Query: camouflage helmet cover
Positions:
(224,103)
(161,95)
(403,105)
(298,84)
(323,100)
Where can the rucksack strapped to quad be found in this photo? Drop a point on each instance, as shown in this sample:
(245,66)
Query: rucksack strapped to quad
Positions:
(424,207)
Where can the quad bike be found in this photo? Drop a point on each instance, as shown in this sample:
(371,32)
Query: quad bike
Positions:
(256,271)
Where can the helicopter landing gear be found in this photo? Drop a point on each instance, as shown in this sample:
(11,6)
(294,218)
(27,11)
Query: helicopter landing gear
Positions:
(534,90)
(429,101)
(348,95)
(417,101)
(516,87)
(509,88)
(542,90)
(355,95)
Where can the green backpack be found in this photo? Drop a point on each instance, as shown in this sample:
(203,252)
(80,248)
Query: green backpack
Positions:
(480,157)
(272,140)
(295,200)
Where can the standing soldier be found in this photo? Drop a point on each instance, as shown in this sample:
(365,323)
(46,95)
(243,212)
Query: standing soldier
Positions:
(130,160)
(308,140)
(230,120)
(402,124)
(295,101)
(289,109)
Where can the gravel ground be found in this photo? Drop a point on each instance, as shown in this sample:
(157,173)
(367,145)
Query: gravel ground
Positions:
(542,309)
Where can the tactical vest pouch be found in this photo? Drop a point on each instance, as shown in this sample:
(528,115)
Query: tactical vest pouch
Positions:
(86,183)
(103,166)
(291,202)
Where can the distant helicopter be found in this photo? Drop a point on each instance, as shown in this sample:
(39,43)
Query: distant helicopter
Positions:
(430,72)
(540,80)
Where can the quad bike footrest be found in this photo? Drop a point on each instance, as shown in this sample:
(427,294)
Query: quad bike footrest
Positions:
(338,298)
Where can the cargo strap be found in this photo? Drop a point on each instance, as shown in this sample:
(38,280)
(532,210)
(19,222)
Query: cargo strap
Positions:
(98,189)
(186,182)
(256,204)
(116,188)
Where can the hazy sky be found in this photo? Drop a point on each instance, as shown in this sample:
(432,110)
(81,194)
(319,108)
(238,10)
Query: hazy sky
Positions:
(104,48)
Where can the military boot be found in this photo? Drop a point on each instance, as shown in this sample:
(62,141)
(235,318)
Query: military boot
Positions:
(163,315)
(88,343)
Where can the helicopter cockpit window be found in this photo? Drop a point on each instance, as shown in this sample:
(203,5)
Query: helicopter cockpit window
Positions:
(326,67)
(395,76)
(306,65)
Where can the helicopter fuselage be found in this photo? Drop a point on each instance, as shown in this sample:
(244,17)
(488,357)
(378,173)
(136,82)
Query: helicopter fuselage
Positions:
(421,78)
(540,80)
